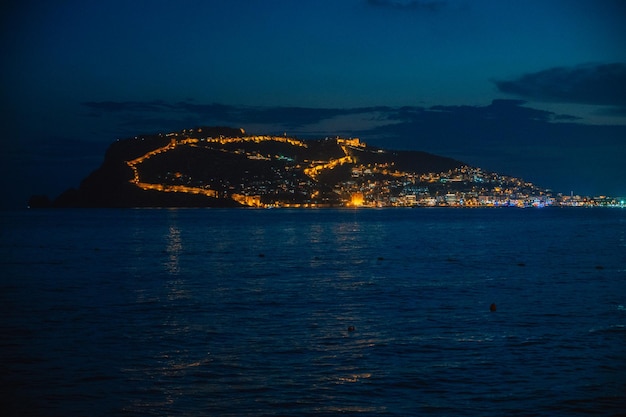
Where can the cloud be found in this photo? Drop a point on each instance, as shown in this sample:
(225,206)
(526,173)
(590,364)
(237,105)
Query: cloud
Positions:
(185,113)
(289,116)
(460,127)
(153,116)
(504,110)
(426,5)
(596,84)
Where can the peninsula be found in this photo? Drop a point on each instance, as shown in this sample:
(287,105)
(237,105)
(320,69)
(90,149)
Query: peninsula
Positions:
(224,167)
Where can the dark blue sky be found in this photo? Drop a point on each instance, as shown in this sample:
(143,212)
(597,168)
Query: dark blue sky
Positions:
(535,89)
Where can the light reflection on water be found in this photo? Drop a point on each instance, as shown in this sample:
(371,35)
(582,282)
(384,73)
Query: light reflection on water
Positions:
(173,250)
(187,318)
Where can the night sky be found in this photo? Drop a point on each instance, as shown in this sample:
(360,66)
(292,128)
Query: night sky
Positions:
(534,88)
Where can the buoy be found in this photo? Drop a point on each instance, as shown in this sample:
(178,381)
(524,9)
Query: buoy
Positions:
(492,307)
(351,328)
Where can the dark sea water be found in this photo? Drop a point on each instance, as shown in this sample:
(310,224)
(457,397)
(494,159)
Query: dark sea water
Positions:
(209,312)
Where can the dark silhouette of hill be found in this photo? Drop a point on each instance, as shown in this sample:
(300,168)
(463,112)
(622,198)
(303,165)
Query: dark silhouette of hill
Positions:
(222,167)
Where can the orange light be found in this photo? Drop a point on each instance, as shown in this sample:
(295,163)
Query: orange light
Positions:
(357,200)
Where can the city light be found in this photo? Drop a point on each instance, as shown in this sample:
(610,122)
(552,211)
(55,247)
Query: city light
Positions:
(296,183)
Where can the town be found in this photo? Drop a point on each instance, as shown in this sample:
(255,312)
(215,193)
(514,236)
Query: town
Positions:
(279,171)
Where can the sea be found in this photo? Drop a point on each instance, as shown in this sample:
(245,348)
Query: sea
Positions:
(313,312)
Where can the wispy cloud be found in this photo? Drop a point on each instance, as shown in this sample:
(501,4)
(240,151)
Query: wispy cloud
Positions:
(141,115)
(597,84)
(138,113)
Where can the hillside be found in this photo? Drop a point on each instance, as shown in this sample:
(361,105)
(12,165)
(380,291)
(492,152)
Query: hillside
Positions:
(224,167)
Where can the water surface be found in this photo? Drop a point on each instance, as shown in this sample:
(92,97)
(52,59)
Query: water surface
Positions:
(195,312)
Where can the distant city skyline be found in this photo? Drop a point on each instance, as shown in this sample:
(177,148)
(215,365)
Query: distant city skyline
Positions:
(531,89)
